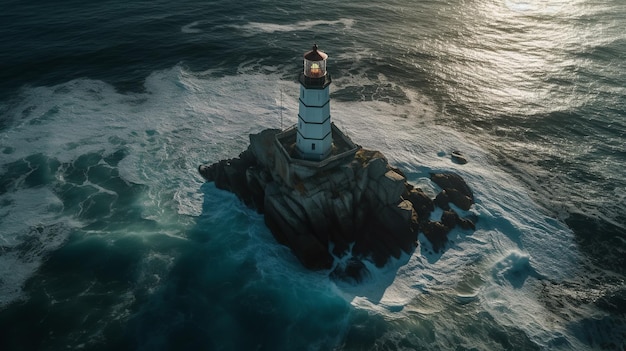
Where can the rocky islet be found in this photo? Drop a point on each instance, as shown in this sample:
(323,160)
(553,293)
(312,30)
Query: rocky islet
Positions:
(363,209)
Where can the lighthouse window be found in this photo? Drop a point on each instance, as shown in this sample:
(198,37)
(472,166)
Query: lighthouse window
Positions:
(313,146)
(316,70)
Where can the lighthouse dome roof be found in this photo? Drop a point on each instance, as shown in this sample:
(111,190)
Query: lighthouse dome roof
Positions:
(315,54)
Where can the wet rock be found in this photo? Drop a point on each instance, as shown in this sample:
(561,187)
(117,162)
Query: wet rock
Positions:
(457,191)
(437,234)
(458,157)
(442,200)
(352,271)
(467,224)
(422,204)
(450,219)
(461,200)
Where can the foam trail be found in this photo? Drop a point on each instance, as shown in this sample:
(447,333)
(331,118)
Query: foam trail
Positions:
(253,28)
(191,28)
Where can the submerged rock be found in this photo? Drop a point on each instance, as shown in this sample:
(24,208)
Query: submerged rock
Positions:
(352,271)
(359,206)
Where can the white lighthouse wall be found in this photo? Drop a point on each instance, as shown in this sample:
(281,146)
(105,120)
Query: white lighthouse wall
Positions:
(313,131)
(314,114)
(314,97)
(314,139)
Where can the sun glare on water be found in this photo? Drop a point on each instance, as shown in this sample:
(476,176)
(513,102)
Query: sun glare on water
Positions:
(542,6)
(511,56)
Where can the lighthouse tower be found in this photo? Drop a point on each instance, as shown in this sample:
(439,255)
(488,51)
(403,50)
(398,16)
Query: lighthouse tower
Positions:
(314,138)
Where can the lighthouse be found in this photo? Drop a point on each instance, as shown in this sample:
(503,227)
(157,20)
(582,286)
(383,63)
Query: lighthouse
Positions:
(314,133)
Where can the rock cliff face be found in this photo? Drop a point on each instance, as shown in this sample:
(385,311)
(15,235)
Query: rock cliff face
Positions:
(364,208)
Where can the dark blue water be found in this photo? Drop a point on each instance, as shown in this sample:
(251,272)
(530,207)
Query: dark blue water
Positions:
(109,239)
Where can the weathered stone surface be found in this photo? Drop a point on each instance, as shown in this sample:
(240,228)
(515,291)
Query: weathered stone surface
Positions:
(315,216)
(437,234)
(450,219)
(342,206)
(256,181)
(389,188)
(262,146)
(401,221)
(422,204)
(288,231)
(364,209)
(376,167)
(461,200)
(442,200)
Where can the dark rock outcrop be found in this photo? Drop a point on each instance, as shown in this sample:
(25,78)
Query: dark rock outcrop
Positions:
(352,271)
(363,208)
(458,157)
(456,190)
(436,233)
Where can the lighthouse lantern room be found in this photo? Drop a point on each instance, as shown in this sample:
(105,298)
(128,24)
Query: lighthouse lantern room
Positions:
(314,138)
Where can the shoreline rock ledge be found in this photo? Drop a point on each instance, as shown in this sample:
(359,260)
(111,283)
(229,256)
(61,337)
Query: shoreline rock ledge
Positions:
(359,209)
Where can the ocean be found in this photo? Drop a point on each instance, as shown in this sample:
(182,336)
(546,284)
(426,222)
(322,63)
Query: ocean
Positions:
(110,239)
